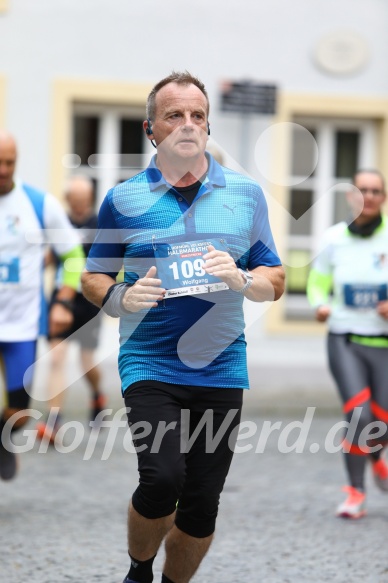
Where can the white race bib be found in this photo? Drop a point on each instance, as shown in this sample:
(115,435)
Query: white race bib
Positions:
(180,267)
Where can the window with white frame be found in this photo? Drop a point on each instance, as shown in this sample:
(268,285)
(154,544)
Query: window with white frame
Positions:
(317,192)
(110,144)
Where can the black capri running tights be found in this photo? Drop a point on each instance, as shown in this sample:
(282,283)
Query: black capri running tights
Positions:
(183,461)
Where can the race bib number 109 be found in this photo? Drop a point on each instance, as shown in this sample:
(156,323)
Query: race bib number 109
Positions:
(180,267)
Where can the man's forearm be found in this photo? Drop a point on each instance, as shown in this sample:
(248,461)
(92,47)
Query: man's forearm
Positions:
(95,286)
(268,284)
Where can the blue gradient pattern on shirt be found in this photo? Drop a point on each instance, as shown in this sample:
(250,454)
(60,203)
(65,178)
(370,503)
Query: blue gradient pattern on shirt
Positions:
(194,340)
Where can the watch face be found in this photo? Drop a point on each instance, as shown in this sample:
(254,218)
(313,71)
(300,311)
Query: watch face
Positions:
(248,280)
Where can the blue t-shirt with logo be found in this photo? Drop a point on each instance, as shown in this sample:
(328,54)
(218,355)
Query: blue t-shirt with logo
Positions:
(196,335)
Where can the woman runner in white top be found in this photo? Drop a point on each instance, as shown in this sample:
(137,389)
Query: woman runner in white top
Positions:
(353,266)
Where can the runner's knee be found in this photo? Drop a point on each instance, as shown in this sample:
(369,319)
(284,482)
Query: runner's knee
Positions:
(197,513)
(158,492)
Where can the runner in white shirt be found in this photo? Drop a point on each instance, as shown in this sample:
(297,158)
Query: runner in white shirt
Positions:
(353,264)
(29,221)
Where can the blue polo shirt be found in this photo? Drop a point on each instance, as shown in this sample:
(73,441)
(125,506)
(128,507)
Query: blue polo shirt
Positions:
(194,339)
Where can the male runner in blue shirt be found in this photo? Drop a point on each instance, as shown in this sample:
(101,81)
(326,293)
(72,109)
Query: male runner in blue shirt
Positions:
(194,239)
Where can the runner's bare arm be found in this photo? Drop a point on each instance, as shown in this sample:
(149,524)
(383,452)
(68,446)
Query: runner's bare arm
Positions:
(95,286)
(268,282)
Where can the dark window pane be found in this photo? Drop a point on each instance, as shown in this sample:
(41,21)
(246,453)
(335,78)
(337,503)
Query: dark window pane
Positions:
(95,187)
(346,158)
(85,136)
(303,151)
(131,141)
(301,201)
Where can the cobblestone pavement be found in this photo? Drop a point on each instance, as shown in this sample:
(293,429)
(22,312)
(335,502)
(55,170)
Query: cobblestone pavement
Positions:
(63,518)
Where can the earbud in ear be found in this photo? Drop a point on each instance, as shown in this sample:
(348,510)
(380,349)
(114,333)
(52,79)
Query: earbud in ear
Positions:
(208,128)
(149,128)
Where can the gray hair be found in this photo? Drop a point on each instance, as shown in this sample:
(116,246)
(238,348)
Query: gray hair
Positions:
(181,78)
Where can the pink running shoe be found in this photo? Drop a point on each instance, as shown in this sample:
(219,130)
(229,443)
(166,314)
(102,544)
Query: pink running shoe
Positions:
(354,505)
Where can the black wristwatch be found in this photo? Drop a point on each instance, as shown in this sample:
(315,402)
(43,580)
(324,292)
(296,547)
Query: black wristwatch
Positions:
(68,304)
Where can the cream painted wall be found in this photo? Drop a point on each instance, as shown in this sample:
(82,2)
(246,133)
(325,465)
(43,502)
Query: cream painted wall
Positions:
(140,42)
